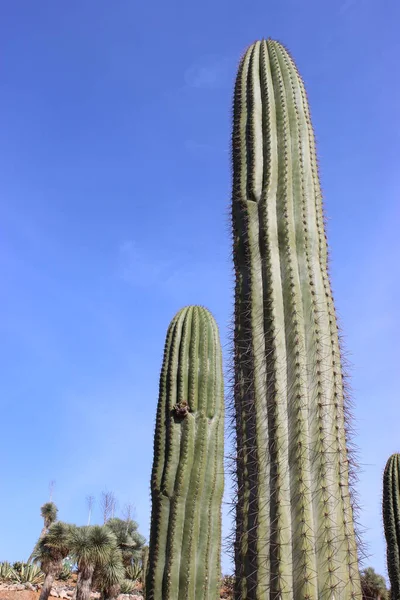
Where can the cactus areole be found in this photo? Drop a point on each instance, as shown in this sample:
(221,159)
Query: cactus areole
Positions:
(187,478)
(294,519)
(391,522)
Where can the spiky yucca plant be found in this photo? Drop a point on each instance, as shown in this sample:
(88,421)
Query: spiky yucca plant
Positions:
(187,477)
(294,522)
(49,513)
(50,552)
(91,546)
(110,575)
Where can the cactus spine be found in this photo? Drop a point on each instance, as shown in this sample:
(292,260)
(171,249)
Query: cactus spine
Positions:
(391,522)
(187,477)
(294,518)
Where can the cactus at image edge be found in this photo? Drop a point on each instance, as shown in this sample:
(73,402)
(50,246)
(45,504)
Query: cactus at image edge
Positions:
(294,516)
(187,477)
(391,522)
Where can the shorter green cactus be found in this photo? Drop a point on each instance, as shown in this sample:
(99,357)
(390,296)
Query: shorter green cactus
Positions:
(187,478)
(391,521)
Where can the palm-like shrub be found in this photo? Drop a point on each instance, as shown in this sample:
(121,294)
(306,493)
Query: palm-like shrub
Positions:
(129,539)
(109,576)
(91,546)
(373,585)
(49,513)
(50,552)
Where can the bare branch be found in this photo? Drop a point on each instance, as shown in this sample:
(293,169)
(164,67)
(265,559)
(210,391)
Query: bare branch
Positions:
(108,505)
(51,489)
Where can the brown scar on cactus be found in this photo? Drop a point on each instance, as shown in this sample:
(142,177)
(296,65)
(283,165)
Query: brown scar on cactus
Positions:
(181,409)
(187,480)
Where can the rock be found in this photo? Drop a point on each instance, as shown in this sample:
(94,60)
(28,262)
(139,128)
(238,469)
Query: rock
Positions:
(63,594)
(54,593)
(19,587)
(29,586)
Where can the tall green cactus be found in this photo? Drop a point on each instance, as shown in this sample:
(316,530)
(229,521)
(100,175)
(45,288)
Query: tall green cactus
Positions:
(187,478)
(391,522)
(294,520)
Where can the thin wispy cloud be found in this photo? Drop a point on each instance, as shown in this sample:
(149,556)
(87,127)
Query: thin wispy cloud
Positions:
(191,281)
(209,72)
(197,148)
(138,267)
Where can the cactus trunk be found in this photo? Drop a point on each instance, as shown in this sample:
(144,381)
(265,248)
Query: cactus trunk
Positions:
(294,518)
(391,522)
(187,477)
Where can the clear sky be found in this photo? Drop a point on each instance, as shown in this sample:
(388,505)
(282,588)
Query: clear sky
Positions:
(114,200)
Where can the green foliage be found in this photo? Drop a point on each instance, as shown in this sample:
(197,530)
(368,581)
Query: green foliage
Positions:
(134,571)
(187,477)
(49,513)
(294,514)
(52,548)
(66,571)
(64,574)
(127,586)
(227,586)
(391,520)
(373,586)
(91,545)
(27,573)
(129,539)
(110,574)
(5,571)
(18,565)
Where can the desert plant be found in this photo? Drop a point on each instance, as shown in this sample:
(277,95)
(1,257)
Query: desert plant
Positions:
(91,547)
(227,586)
(391,521)
(127,586)
(66,570)
(134,571)
(27,573)
(110,574)
(145,564)
(50,552)
(5,571)
(187,476)
(129,540)
(49,513)
(373,586)
(294,516)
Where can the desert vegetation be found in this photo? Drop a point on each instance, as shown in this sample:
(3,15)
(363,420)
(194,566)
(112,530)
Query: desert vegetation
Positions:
(295,532)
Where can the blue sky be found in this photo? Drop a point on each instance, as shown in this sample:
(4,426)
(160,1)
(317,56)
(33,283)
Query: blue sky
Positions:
(114,200)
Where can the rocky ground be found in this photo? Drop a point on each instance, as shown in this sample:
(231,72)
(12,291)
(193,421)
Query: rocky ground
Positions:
(65,591)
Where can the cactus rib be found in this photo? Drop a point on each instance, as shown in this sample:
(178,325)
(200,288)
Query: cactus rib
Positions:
(391,522)
(294,520)
(187,476)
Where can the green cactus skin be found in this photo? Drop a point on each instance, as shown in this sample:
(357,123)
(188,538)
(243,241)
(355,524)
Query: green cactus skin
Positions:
(187,477)
(391,522)
(294,516)
(145,562)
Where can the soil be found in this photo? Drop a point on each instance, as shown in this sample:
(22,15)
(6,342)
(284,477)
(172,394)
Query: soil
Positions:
(19,595)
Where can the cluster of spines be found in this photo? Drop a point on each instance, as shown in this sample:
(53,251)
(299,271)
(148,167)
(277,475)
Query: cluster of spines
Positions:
(391,521)
(315,550)
(187,476)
